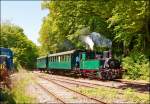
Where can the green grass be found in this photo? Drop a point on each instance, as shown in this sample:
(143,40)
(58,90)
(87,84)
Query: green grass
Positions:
(19,89)
(110,95)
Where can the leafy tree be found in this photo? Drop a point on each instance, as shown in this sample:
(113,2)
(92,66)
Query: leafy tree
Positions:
(125,22)
(25,51)
(130,22)
(67,18)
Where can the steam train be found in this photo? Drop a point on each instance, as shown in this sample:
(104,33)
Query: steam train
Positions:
(6,65)
(99,65)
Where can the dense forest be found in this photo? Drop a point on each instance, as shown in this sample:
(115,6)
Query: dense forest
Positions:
(25,51)
(125,22)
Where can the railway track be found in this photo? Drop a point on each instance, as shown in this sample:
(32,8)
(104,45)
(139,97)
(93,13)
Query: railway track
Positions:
(86,84)
(116,84)
(95,101)
(51,93)
(71,82)
(141,87)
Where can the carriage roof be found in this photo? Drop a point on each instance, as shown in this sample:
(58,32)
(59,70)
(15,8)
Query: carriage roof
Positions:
(62,53)
(42,57)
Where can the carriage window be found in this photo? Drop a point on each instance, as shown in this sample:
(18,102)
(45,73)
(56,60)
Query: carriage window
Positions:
(58,58)
(55,58)
(64,58)
(69,56)
(52,59)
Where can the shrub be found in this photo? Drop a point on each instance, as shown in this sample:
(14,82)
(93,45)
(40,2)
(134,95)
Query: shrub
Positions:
(137,66)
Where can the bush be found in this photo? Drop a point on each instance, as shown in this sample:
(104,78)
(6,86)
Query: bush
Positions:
(137,66)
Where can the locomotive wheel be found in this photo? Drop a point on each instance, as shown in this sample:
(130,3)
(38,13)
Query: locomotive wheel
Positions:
(120,75)
(103,75)
(109,75)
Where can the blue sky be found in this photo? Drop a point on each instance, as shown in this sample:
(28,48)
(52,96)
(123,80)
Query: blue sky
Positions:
(26,14)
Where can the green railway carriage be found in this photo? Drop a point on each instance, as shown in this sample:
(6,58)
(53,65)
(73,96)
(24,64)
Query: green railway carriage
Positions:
(85,63)
(63,60)
(42,62)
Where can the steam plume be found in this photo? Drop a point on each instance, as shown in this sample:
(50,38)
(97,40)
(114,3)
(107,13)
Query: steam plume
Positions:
(88,41)
(95,38)
(100,40)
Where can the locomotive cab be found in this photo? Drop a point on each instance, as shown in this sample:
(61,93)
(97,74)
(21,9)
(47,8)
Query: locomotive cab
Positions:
(109,61)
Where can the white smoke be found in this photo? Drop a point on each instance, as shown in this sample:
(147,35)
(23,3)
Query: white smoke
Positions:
(100,40)
(95,38)
(88,40)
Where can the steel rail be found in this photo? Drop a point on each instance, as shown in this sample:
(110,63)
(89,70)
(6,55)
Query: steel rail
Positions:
(98,85)
(72,83)
(123,82)
(50,93)
(101,102)
(88,83)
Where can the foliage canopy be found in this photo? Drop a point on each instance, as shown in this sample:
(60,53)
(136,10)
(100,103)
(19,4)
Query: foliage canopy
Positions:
(125,22)
(25,51)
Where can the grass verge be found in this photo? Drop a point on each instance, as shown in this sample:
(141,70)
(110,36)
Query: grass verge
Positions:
(19,90)
(18,94)
(110,95)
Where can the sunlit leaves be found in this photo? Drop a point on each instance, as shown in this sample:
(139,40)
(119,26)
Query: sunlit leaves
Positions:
(25,52)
